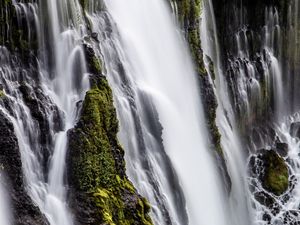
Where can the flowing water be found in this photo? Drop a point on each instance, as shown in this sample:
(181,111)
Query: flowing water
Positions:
(64,82)
(238,211)
(156,92)
(5,217)
(157,96)
(249,97)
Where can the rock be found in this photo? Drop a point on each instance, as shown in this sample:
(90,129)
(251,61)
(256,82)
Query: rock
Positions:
(264,199)
(276,175)
(270,170)
(95,36)
(295,129)
(99,188)
(282,149)
(24,210)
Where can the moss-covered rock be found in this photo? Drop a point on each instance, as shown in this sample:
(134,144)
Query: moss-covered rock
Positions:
(2,94)
(96,163)
(276,174)
(270,170)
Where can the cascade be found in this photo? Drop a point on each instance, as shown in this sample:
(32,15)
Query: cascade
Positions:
(64,84)
(156,92)
(249,87)
(230,140)
(5,216)
(252,65)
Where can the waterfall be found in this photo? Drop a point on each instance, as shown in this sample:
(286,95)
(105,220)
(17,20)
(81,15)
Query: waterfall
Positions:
(5,216)
(156,92)
(69,60)
(64,82)
(252,67)
(238,211)
(248,87)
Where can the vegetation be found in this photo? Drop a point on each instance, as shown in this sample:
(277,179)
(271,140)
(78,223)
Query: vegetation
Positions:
(98,167)
(276,175)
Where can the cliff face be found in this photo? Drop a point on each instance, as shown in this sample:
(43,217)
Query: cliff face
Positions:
(18,75)
(101,192)
(251,33)
(100,189)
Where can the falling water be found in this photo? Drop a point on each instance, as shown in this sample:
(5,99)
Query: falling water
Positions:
(162,126)
(253,89)
(5,217)
(65,83)
(161,95)
(238,201)
(67,56)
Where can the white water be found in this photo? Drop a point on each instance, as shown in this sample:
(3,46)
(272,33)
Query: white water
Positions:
(5,214)
(65,90)
(159,67)
(238,211)
(249,96)
(153,82)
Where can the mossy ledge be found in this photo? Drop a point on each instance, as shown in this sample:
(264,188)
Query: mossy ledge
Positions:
(189,13)
(100,189)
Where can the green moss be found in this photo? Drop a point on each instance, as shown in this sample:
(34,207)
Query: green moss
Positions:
(2,94)
(276,176)
(96,65)
(98,167)
(15,37)
(189,12)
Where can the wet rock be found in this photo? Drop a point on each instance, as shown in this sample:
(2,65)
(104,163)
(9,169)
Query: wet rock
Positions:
(24,210)
(266,217)
(46,115)
(95,36)
(100,191)
(271,171)
(276,175)
(264,199)
(295,129)
(282,149)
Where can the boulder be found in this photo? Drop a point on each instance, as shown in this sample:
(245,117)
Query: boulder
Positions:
(275,178)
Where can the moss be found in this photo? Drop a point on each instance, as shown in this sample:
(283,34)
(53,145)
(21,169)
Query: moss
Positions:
(98,167)
(14,35)
(96,65)
(276,175)
(2,94)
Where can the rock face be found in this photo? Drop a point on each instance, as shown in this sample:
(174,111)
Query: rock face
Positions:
(189,13)
(271,170)
(102,192)
(24,210)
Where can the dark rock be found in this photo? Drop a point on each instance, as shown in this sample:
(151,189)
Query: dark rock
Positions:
(47,116)
(264,199)
(271,171)
(95,36)
(282,149)
(267,217)
(24,210)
